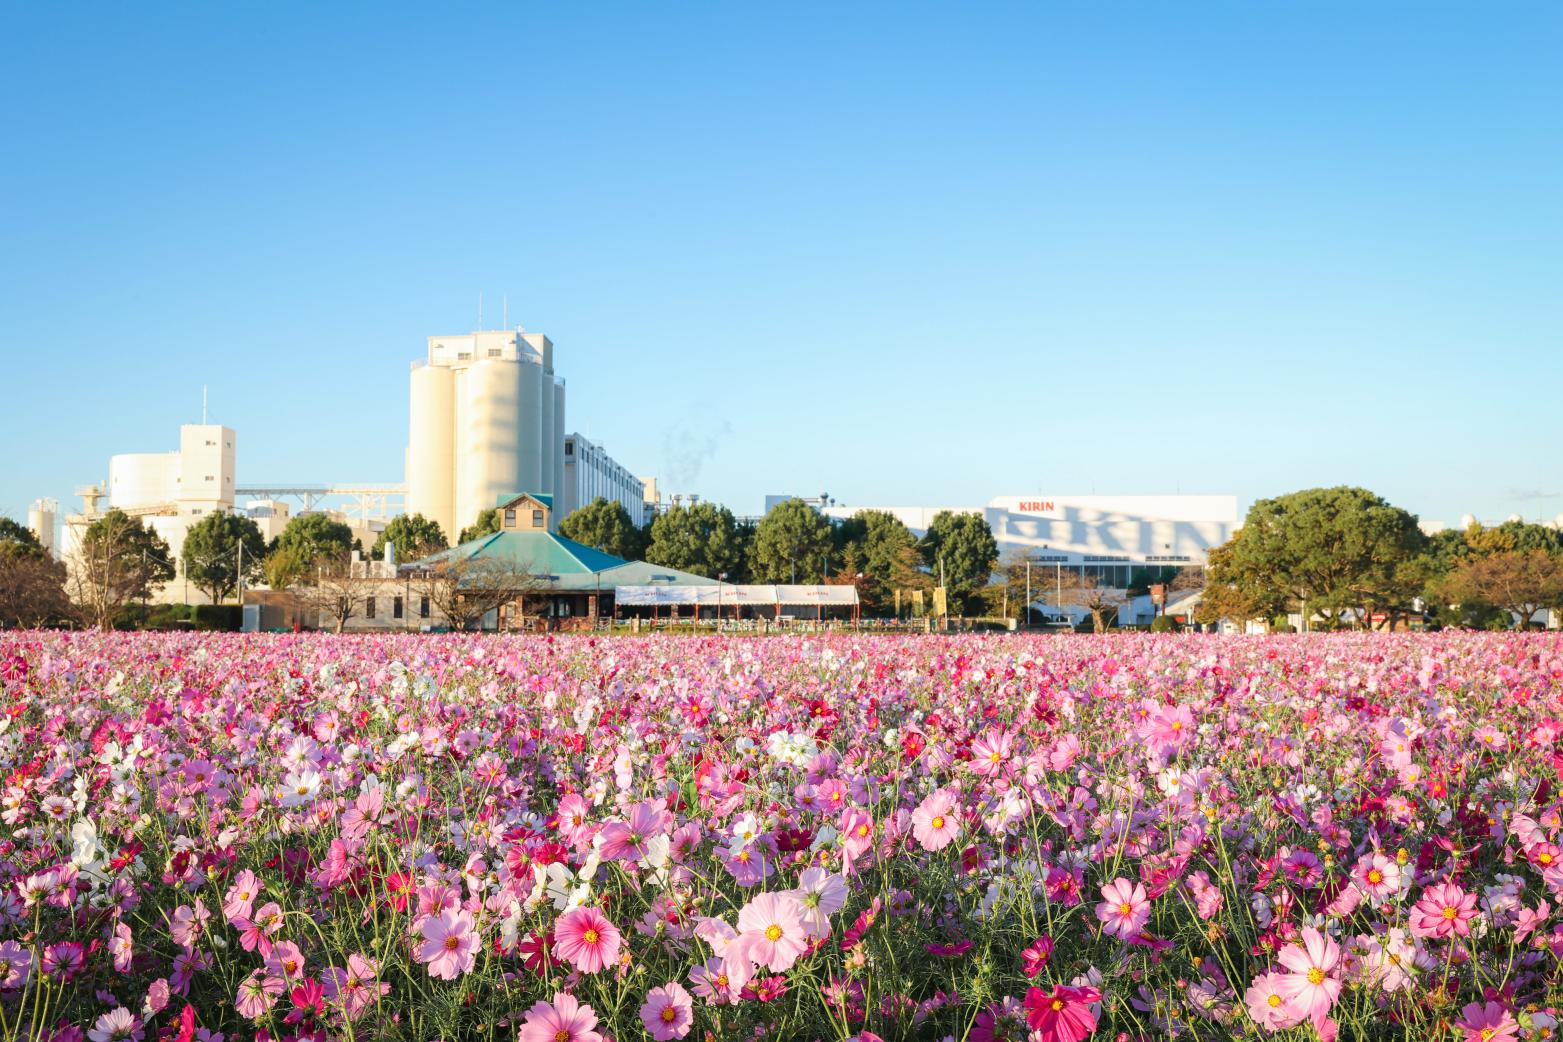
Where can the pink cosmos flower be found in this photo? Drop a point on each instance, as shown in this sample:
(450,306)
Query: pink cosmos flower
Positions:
(820,894)
(585,939)
(1444,910)
(563,1020)
(1035,958)
(1487,1023)
(257,994)
(1064,1015)
(771,932)
(1268,1004)
(990,752)
(668,1012)
(1124,908)
(450,944)
(934,822)
(1309,987)
(1377,876)
(116,1026)
(121,947)
(355,988)
(239,901)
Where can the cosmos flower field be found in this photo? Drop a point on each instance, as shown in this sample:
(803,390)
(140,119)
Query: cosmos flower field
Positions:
(846,837)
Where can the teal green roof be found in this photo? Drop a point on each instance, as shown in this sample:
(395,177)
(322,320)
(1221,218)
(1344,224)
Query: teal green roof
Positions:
(506,497)
(573,565)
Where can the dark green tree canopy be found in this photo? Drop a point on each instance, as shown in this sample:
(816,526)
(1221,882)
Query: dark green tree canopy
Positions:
(791,544)
(486,524)
(315,536)
(874,542)
(965,544)
(19,535)
(211,553)
(605,525)
(414,537)
(703,539)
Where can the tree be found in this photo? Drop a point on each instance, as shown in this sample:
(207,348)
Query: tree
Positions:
(316,536)
(212,552)
(1232,592)
(1075,589)
(1519,582)
(964,544)
(791,544)
(486,524)
(285,566)
(32,583)
(875,541)
(117,560)
(464,589)
(414,537)
(14,532)
(604,524)
(329,588)
(1326,550)
(703,538)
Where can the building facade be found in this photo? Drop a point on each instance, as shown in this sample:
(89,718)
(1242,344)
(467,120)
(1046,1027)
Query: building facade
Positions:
(590,472)
(1103,536)
(487,416)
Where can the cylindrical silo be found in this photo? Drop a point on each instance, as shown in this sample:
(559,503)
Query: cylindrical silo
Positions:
(558,459)
(141,479)
(431,447)
(492,434)
(40,519)
(547,446)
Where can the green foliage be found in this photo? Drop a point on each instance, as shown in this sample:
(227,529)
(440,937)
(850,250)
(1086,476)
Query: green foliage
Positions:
(1329,549)
(1164,624)
(315,536)
(119,559)
(414,536)
(964,543)
(704,539)
(211,553)
(874,542)
(13,533)
(791,544)
(604,524)
(486,524)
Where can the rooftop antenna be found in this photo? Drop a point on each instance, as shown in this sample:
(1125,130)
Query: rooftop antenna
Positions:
(203,405)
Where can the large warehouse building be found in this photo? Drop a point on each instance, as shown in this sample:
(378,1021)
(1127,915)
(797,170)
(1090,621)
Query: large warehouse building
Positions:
(589,472)
(487,417)
(1105,536)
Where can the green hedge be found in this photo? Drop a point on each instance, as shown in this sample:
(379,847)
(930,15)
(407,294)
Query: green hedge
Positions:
(226,617)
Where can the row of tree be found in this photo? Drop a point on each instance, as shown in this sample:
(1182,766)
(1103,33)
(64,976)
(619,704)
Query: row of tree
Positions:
(1347,557)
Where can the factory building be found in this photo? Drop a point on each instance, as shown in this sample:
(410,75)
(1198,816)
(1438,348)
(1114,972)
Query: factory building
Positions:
(41,516)
(1103,536)
(169,491)
(487,416)
(590,472)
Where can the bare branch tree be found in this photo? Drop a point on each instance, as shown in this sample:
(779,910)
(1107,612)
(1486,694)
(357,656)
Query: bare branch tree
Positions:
(117,560)
(332,592)
(464,590)
(1085,591)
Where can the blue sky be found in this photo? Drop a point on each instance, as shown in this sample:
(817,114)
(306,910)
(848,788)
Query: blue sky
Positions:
(904,253)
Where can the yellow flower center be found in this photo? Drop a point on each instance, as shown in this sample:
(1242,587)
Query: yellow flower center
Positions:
(1449,912)
(1375,876)
(1315,976)
(1544,857)
(1274,1000)
(590,936)
(773,932)
(668,1014)
(451,943)
(1125,908)
(561,1036)
(938,822)
(1058,1004)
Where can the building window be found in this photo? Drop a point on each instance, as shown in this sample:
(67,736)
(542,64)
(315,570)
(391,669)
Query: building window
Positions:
(463,356)
(423,607)
(537,519)
(368,607)
(510,517)
(396,607)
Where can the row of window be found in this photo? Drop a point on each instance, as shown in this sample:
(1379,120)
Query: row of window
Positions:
(396,607)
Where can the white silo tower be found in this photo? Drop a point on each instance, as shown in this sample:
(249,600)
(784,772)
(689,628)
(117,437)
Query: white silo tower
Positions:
(40,520)
(485,421)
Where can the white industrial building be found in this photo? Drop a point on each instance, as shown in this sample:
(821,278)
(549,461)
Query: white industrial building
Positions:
(590,472)
(487,418)
(169,491)
(1104,536)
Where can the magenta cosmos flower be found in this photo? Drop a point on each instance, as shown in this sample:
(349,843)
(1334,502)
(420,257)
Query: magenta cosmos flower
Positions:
(1444,910)
(1487,1023)
(934,822)
(1062,1016)
(449,944)
(562,1020)
(668,1012)
(585,939)
(1124,908)
(1309,987)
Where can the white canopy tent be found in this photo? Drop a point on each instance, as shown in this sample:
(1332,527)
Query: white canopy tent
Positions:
(736,596)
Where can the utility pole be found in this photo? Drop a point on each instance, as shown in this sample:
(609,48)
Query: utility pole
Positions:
(1028,593)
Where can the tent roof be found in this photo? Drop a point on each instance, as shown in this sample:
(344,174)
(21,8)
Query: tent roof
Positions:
(734,595)
(571,566)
